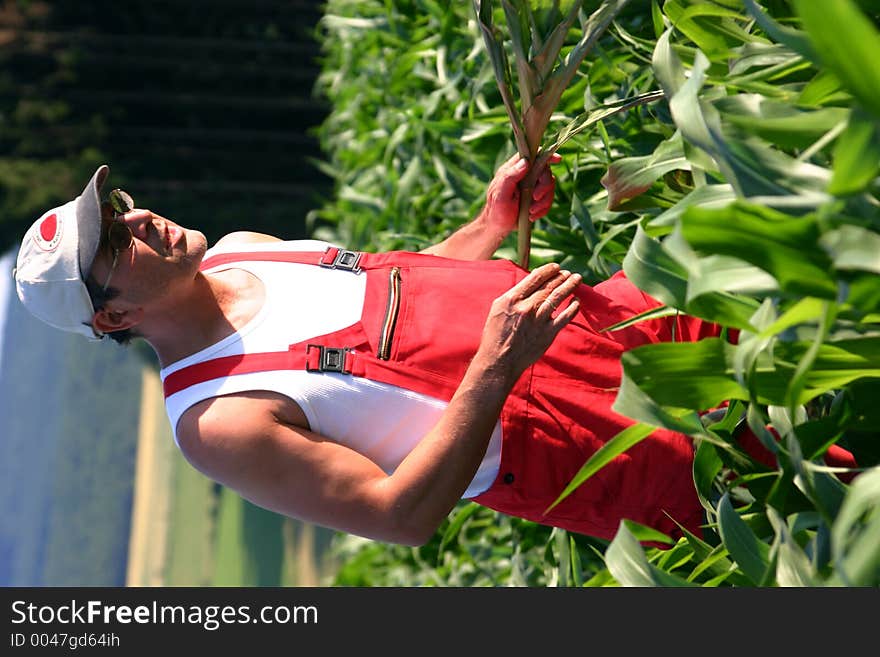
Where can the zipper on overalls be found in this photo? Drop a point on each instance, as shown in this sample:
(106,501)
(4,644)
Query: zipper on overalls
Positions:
(391,311)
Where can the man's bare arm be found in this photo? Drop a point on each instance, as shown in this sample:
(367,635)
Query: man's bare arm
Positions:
(252,444)
(480,238)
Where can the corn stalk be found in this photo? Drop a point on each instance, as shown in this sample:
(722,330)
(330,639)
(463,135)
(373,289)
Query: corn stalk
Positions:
(542,77)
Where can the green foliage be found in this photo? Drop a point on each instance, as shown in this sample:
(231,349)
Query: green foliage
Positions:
(474,547)
(202,116)
(410,139)
(748,197)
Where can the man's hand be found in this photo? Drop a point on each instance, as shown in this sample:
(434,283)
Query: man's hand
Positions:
(481,237)
(523,322)
(502,196)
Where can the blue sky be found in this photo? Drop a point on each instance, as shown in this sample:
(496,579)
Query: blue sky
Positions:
(6,288)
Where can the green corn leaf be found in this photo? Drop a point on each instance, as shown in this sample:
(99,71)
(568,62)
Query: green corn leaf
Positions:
(797,40)
(782,245)
(576,565)
(646,534)
(853,247)
(856,155)
(657,18)
(632,402)
(707,196)
(835,365)
(793,567)
(558,81)
(806,310)
(824,89)
(825,492)
(697,375)
(454,527)
(826,23)
(707,465)
(595,115)
(630,436)
(654,313)
(629,177)
(527,77)
(749,552)
(501,68)
(548,52)
(715,292)
(799,379)
(652,269)
(563,557)
(750,166)
(855,534)
(709,25)
(778,122)
(627,562)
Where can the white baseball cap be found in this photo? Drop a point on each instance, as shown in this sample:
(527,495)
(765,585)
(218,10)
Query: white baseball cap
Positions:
(55,258)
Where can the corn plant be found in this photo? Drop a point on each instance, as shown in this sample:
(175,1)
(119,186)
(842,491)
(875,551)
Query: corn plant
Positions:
(774,231)
(542,75)
(747,195)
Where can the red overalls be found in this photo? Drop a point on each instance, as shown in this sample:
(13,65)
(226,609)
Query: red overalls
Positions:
(422,321)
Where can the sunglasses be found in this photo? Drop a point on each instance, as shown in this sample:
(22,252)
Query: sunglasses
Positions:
(118,235)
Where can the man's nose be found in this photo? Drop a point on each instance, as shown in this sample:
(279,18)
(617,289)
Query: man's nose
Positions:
(138,220)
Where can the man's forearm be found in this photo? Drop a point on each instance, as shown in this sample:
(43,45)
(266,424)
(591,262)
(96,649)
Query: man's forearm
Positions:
(480,239)
(519,327)
(476,240)
(433,477)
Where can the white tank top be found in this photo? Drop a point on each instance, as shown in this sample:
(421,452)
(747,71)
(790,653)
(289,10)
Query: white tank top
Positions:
(381,421)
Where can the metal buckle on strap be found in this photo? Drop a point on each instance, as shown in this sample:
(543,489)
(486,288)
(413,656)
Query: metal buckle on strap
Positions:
(345,260)
(330,359)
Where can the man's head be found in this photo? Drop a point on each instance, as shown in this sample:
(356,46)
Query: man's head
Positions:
(76,267)
(55,259)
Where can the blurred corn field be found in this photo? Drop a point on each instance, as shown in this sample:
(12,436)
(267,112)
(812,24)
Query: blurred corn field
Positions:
(745,193)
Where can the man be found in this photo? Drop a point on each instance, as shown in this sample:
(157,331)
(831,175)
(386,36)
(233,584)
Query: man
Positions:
(369,393)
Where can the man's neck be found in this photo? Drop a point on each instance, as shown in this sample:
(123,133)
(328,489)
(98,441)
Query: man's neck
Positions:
(215,307)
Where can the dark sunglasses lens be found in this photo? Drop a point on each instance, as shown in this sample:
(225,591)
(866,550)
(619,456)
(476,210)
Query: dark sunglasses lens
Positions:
(121,201)
(119,236)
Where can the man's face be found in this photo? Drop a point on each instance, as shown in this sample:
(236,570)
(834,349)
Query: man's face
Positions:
(161,254)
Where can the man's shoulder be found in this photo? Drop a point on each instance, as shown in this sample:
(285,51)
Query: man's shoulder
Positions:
(244,237)
(248,241)
(243,414)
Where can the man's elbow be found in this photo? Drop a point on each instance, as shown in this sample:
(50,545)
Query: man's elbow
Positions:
(406,530)
(413,540)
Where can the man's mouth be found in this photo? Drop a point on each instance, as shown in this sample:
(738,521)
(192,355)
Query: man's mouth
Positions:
(163,234)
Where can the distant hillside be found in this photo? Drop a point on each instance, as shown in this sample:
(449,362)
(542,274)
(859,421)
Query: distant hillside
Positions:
(69,413)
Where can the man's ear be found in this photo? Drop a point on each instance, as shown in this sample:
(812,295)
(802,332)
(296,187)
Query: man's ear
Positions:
(107,321)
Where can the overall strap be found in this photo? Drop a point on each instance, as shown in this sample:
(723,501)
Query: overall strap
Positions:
(331,258)
(353,261)
(350,353)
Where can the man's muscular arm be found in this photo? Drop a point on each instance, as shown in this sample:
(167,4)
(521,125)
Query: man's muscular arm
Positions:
(481,237)
(254,444)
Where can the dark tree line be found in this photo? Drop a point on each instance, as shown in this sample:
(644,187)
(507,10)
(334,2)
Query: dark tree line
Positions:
(204,109)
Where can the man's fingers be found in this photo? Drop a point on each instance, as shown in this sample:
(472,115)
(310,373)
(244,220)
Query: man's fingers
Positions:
(543,191)
(557,292)
(566,315)
(534,281)
(513,159)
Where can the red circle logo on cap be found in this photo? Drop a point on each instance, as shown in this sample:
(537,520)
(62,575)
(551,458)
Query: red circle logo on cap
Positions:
(48,234)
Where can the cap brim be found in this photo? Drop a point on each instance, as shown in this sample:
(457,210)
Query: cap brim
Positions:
(88,220)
